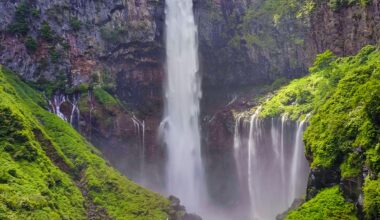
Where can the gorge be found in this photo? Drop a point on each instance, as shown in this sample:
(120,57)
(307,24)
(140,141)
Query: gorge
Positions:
(189,110)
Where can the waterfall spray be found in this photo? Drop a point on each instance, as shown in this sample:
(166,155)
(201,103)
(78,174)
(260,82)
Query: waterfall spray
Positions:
(275,168)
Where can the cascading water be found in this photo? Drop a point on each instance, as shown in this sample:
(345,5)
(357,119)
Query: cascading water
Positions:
(275,168)
(181,129)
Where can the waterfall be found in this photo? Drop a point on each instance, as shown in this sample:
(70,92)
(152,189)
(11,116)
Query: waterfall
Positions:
(182,95)
(298,162)
(252,158)
(139,126)
(55,105)
(275,168)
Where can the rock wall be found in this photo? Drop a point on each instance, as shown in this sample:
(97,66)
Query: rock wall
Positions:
(114,42)
(344,31)
(241,42)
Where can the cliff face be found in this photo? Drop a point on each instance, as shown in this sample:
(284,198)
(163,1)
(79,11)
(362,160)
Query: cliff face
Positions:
(119,44)
(250,42)
(346,30)
(114,43)
(241,45)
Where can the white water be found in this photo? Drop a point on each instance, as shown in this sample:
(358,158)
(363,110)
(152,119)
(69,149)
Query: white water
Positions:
(55,105)
(298,162)
(275,168)
(181,126)
(139,126)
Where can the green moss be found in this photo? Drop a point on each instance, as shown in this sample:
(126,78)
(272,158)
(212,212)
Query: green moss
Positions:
(33,187)
(104,97)
(371,201)
(328,204)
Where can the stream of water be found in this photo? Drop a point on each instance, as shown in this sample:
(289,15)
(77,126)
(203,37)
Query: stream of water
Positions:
(182,97)
(270,158)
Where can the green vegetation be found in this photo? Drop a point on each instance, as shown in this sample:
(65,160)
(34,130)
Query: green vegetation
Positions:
(20,24)
(113,35)
(328,204)
(31,44)
(371,201)
(336,5)
(104,98)
(54,55)
(46,31)
(75,24)
(44,160)
(343,97)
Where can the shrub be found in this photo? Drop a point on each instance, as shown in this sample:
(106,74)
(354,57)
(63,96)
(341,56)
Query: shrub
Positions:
(46,32)
(31,44)
(371,201)
(328,204)
(54,55)
(20,24)
(75,24)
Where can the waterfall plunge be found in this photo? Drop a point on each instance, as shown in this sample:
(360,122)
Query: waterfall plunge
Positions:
(273,166)
(181,126)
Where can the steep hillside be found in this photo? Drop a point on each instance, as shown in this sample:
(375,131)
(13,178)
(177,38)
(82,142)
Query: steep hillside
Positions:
(48,171)
(343,136)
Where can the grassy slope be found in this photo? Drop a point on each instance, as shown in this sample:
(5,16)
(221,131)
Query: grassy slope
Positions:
(343,95)
(32,186)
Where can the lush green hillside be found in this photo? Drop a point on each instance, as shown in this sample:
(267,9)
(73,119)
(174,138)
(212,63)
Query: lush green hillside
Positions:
(48,171)
(343,97)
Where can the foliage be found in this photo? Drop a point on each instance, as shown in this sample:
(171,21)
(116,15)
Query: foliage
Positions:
(75,24)
(54,55)
(336,5)
(343,96)
(46,32)
(328,204)
(371,201)
(112,35)
(20,24)
(33,187)
(104,97)
(31,44)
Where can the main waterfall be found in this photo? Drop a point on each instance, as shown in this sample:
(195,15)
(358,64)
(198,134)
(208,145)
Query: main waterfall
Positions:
(269,155)
(183,92)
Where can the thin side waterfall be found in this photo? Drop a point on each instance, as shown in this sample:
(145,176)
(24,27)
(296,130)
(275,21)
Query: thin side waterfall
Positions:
(139,126)
(298,162)
(275,169)
(182,96)
(55,105)
(252,159)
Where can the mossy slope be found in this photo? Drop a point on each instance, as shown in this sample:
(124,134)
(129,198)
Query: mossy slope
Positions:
(48,171)
(328,204)
(343,97)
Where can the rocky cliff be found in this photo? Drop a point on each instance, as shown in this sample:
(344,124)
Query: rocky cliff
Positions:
(117,44)
(251,42)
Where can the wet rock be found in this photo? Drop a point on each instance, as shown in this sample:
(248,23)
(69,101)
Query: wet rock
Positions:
(320,178)
(352,192)
(178,211)
(296,203)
